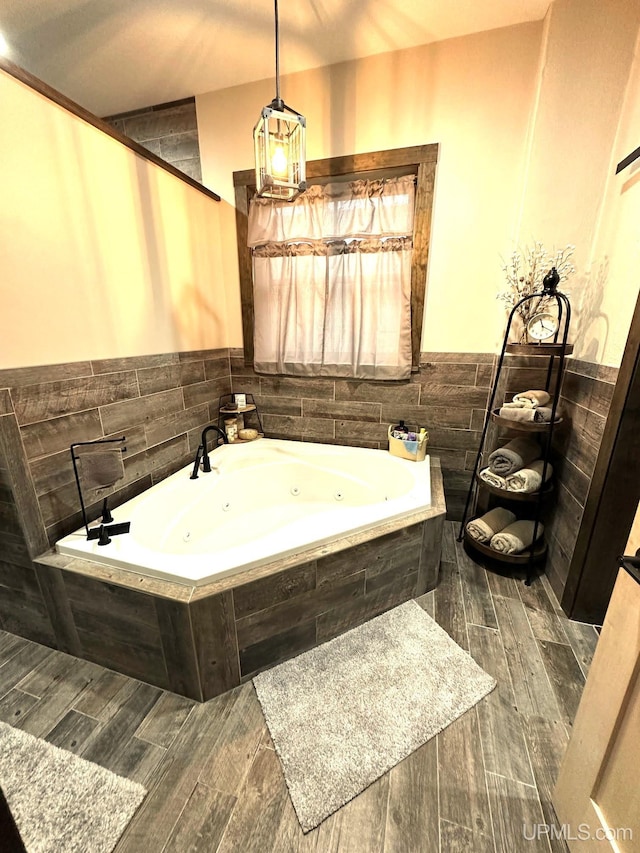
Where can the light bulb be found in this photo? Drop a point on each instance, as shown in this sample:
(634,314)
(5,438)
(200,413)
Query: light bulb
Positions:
(279,163)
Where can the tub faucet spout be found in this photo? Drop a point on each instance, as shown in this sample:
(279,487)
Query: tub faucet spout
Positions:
(201,453)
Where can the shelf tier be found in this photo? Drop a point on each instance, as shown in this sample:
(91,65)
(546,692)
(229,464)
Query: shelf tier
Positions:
(525,426)
(539,349)
(237,410)
(522,559)
(507,495)
(246,440)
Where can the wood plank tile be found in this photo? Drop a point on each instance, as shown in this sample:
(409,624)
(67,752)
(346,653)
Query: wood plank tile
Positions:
(20,664)
(15,704)
(57,434)
(412,809)
(178,649)
(236,745)
(214,635)
(516,812)
(64,686)
(583,640)
(162,724)
(357,826)
(176,778)
(137,760)
(428,603)
(547,741)
(201,825)
(10,645)
(72,732)
(531,686)
(112,740)
(274,589)
(277,648)
(503,585)
(46,400)
(95,700)
(449,610)
(459,839)
(501,729)
(257,814)
(478,603)
(461,778)
(565,676)
(545,623)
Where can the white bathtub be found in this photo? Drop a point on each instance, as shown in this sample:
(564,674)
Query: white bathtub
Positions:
(262,500)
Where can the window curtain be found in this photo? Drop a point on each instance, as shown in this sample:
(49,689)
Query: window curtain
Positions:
(332,280)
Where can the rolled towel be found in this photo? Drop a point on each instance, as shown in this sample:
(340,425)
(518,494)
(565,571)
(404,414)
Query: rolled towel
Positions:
(493,479)
(99,468)
(529,479)
(543,414)
(517,414)
(513,456)
(516,537)
(519,404)
(536,398)
(483,528)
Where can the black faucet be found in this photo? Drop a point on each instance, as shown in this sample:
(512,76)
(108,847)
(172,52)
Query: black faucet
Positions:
(201,453)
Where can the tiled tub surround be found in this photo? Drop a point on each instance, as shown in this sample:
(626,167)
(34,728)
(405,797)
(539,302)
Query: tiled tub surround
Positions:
(201,641)
(448,396)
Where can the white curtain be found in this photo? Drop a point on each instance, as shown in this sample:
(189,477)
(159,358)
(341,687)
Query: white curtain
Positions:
(332,280)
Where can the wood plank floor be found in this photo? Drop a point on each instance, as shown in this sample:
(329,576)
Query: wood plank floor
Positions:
(215,782)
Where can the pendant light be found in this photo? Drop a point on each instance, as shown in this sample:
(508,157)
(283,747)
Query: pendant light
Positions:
(279,141)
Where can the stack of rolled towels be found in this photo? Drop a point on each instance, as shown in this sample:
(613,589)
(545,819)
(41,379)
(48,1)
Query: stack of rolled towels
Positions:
(516,467)
(500,530)
(528,406)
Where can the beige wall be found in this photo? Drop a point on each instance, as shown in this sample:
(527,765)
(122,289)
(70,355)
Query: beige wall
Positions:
(102,254)
(581,118)
(611,290)
(471,95)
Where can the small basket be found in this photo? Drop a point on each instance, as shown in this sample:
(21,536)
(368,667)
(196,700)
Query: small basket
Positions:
(398,447)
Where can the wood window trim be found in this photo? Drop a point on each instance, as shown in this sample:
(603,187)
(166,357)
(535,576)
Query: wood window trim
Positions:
(421,159)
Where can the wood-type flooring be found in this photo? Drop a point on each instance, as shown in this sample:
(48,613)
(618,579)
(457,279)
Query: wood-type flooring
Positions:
(215,782)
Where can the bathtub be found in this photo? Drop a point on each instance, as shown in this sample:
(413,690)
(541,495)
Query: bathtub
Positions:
(262,500)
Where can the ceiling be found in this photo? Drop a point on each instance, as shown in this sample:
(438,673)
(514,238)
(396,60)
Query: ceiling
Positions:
(112,56)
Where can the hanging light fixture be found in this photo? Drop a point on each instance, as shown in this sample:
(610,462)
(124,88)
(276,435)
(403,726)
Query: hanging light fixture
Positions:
(279,140)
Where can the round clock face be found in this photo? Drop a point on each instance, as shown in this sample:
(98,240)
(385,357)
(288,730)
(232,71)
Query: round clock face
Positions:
(542,326)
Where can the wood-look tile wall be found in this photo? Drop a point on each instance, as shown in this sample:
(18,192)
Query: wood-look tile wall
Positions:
(168,130)
(447,397)
(586,396)
(159,402)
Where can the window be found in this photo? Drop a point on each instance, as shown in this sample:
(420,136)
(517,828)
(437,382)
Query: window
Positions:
(337,279)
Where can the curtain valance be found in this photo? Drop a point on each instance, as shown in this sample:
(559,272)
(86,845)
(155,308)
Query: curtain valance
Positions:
(336,211)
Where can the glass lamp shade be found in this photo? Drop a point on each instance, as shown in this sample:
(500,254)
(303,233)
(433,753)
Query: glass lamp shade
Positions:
(279,140)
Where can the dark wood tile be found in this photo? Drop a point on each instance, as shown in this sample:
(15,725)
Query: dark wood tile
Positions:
(73,731)
(120,416)
(216,644)
(55,435)
(547,741)
(413,780)
(163,723)
(178,648)
(277,647)
(449,609)
(516,812)
(274,589)
(565,676)
(15,704)
(54,399)
(202,822)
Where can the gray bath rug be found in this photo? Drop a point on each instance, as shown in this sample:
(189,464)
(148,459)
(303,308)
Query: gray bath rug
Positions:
(344,713)
(60,802)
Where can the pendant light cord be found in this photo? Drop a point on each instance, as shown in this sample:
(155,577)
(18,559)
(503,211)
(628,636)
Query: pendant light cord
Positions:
(278,99)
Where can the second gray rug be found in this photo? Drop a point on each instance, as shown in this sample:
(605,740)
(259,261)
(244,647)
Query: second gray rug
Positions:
(348,711)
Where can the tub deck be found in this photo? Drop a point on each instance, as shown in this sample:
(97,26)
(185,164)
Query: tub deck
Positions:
(199,641)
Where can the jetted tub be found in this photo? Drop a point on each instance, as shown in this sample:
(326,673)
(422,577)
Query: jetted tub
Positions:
(262,500)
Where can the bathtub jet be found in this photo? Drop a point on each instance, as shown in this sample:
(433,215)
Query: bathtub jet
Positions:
(201,453)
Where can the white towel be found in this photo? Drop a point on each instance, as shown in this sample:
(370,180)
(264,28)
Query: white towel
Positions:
(483,528)
(493,479)
(516,537)
(532,398)
(529,479)
(517,413)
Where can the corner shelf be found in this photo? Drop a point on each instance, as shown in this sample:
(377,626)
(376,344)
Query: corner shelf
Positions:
(227,406)
(524,505)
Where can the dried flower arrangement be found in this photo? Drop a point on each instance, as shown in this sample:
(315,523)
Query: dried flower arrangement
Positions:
(525,272)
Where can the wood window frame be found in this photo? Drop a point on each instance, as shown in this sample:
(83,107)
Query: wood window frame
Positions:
(419,159)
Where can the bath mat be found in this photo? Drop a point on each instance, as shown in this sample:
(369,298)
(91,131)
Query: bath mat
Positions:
(62,803)
(344,713)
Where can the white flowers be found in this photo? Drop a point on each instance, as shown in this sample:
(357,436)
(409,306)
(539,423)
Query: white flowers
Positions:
(525,272)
